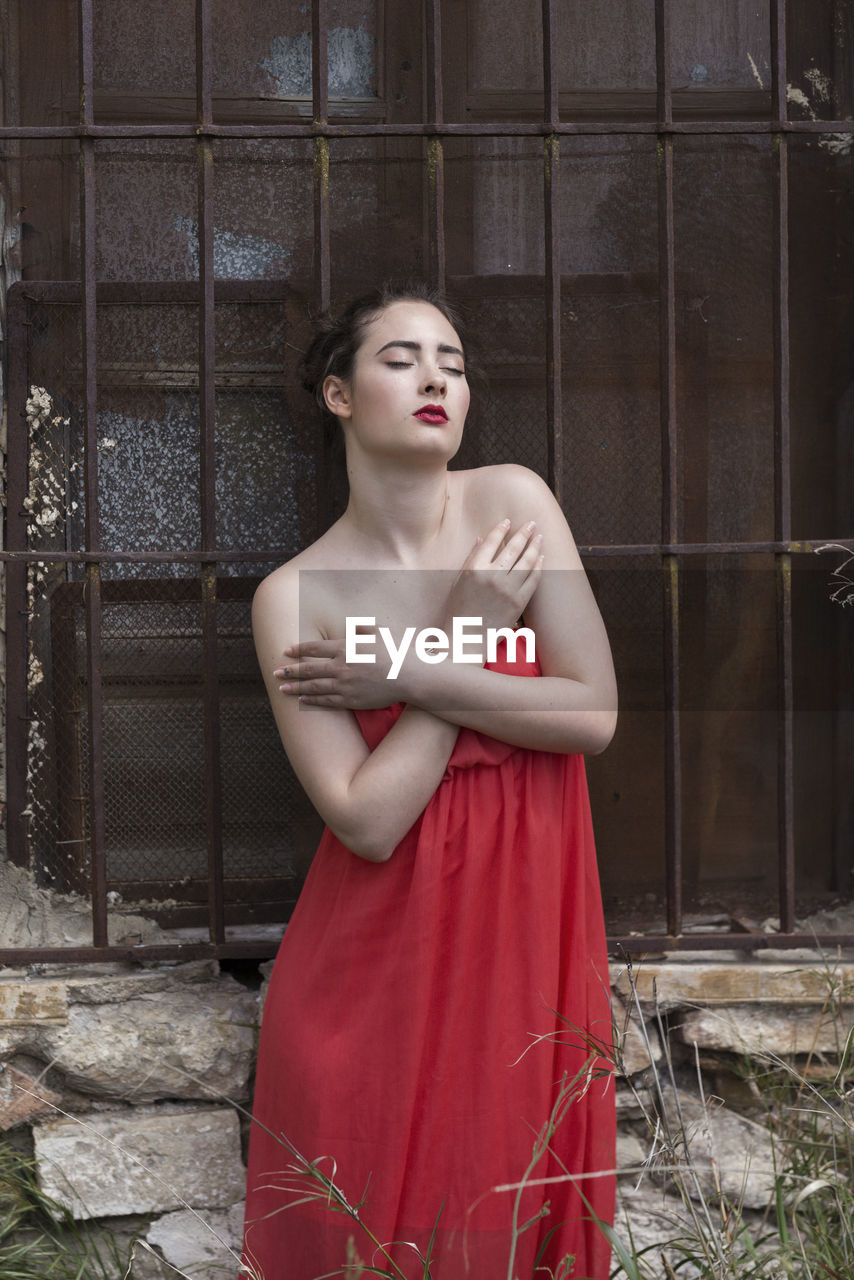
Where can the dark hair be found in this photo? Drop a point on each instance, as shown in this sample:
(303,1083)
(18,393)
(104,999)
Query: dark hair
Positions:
(332,351)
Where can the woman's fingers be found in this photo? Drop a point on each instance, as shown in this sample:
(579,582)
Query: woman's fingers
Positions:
(503,550)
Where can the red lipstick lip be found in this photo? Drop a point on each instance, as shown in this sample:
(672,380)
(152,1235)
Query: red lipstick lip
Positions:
(431,413)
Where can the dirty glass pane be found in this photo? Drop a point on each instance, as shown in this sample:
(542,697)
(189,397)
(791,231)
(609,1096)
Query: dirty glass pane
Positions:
(376,211)
(497,184)
(57,817)
(148,411)
(263,209)
(267,437)
(496,62)
(45,33)
(269,826)
(144,48)
(627,781)
(721,58)
(507,419)
(505,52)
(147,214)
(612,449)
(42,232)
(823,721)
(724,235)
(820,59)
(821,315)
(263,52)
(729,725)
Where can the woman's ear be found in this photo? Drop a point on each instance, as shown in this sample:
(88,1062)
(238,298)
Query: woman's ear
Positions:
(336,393)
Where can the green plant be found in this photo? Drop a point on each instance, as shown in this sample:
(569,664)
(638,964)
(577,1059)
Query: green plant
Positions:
(807,1232)
(40,1240)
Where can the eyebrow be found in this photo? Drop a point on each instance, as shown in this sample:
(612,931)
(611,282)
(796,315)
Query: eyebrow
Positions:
(416,346)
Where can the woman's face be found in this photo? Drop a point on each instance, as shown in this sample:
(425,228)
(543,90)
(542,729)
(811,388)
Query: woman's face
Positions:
(408,395)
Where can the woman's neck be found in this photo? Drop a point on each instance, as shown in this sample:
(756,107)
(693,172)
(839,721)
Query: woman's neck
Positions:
(398,512)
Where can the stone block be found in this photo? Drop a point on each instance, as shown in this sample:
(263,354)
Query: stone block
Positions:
(726,1150)
(135,1162)
(689,982)
(639,1044)
(32,1002)
(23,1098)
(631,1154)
(761,1029)
(652,1221)
(193,1040)
(204,1246)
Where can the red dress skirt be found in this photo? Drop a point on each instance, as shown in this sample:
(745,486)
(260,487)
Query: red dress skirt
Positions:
(425,1016)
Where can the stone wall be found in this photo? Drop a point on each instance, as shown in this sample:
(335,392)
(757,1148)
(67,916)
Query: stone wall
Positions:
(120,1079)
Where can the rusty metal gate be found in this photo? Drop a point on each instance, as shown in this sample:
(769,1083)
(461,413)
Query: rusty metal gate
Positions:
(645,211)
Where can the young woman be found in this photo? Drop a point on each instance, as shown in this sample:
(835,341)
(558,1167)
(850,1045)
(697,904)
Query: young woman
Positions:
(442,986)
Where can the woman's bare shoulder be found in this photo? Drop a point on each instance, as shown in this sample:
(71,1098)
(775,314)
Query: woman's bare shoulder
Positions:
(279,592)
(505,489)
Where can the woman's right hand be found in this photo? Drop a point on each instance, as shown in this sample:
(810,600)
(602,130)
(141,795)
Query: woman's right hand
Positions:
(498,577)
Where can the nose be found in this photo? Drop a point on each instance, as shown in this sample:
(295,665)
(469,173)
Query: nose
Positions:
(434,381)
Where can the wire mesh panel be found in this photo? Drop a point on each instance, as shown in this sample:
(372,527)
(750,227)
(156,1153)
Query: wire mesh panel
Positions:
(155,699)
(644,208)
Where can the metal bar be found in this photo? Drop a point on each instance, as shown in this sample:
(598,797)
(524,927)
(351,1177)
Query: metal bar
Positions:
(552,229)
(779,102)
(404,129)
(319,62)
(551,77)
(213,769)
(435,155)
(655,549)
(663,85)
(207,477)
(319,130)
(246,949)
(669,475)
(728,942)
(672,747)
(554,387)
(16,621)
(435,100)
(97,834)
(235,950)
(782,478)
(320,100)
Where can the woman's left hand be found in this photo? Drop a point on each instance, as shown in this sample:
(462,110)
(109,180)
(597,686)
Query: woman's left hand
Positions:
(317,672)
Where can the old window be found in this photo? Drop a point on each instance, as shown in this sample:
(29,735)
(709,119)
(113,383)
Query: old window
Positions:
(646,209)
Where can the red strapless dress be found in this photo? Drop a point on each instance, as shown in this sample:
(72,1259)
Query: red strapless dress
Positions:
(421,1017)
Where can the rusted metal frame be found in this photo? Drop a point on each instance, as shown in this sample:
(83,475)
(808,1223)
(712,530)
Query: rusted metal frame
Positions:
(17,629)
(779,101)
(97,834)
(669,475)
(21,956)
(403,129)
(207,475)
(552,212)
(782,478)
(656,549)
(186,292)
(319,129)
(663,84)
(148,557)
(640,945)
(434,149)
